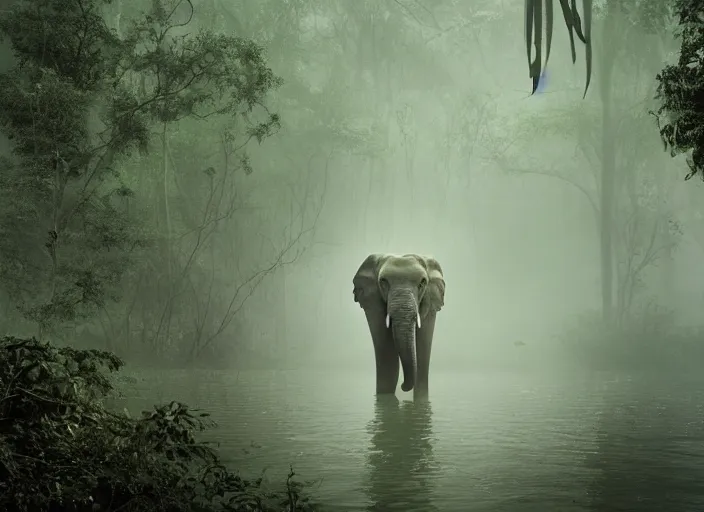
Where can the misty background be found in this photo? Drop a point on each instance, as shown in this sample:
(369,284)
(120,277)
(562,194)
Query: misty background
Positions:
(215,254)
(405,127)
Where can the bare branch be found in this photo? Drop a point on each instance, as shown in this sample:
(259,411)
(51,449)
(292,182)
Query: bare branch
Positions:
(287,255)
(511,169)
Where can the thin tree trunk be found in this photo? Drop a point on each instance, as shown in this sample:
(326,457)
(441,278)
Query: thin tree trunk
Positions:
(608,167)
(168,253)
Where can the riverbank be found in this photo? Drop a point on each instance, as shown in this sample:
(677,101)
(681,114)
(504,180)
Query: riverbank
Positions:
(63,449)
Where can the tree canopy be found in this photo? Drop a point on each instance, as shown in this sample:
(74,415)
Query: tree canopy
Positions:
(81,100)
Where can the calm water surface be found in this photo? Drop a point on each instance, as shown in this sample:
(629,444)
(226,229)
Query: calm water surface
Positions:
(485,442)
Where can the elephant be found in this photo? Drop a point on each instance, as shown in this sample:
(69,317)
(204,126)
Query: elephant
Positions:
(400,296)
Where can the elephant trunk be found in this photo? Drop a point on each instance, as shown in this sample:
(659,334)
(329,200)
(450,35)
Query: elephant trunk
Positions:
(403,316)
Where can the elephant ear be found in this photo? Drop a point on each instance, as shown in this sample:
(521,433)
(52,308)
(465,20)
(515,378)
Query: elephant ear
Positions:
(366,291)
(434,298)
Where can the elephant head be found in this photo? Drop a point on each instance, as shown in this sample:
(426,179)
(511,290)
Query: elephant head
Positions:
(400,296)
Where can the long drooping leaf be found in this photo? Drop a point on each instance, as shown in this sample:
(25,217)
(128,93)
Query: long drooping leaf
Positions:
(530,7)
(548,30)
(534,34)
(538,28)
(587,10)
(569,22)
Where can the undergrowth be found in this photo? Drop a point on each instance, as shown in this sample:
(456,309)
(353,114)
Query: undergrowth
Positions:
(651,340)
(62,449)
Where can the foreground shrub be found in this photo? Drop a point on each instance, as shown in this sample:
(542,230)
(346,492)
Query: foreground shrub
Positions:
(62,449)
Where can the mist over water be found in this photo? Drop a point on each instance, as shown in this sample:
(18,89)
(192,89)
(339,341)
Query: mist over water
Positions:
(485,441)
(565,364)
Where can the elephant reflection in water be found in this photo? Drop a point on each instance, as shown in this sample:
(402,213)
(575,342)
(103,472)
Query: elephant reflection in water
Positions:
(400,296)
(400,460)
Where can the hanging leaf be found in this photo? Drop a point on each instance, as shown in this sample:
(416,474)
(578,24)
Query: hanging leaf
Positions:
(534,34)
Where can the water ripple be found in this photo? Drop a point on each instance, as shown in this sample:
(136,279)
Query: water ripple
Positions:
(491,442)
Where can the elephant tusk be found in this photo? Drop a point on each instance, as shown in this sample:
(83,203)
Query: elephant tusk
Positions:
(418,319)
(388,321)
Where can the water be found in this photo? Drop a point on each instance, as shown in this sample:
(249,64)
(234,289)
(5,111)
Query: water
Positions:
(485,442)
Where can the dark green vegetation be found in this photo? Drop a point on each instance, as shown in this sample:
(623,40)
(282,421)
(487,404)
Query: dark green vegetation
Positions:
(538,11)
(132,184)
(82,102)
(681,89)
(79,102)
(680,86)
(62,449)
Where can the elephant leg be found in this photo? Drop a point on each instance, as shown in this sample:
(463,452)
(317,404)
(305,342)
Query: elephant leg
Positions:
(424,343)
(387,359)
(387,367)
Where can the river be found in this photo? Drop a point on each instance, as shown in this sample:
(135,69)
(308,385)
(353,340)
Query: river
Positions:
(492,441)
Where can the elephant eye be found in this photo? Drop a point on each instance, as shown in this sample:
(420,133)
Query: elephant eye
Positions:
(383,281)
(422,284)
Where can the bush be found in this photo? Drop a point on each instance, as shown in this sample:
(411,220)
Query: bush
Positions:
(648,340)
(680,88)
(63,449)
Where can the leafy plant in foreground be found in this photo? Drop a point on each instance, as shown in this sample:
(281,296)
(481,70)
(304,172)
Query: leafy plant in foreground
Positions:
(62,448)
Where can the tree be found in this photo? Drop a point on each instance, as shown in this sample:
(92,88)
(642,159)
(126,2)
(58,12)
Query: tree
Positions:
(681,87)
(631,205)
(79,102)
(214,207)
(680,116)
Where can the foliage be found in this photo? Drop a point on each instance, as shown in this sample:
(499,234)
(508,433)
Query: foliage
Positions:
(651,15)
(534,34)
(681,87)
(62,449)
(196,75)
(81,99)
(336,111)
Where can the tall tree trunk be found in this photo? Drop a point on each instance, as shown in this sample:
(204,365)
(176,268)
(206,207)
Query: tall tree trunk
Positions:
(164,326)
(608,164)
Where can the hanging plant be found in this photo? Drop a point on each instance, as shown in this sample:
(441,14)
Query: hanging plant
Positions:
(534,34)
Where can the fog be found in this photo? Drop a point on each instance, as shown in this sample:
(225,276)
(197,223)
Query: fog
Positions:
(193,186)
(405,128)
(458,163)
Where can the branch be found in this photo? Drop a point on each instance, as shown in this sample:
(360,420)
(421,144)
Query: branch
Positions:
(410,13)
(282,259)
(585,192)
